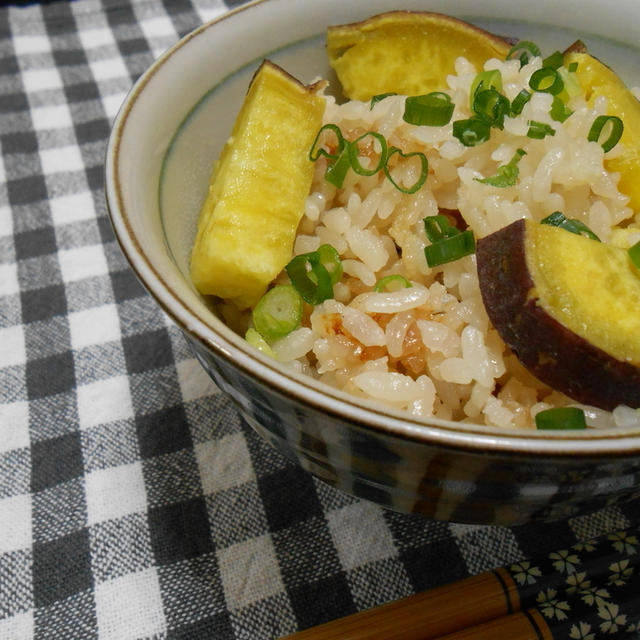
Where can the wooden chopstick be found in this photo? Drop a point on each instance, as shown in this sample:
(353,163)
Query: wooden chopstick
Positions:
(492,606)
(428,615)
(523,625)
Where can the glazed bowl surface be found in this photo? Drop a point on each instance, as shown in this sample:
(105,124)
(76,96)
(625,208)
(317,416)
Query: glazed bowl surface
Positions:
(165,138)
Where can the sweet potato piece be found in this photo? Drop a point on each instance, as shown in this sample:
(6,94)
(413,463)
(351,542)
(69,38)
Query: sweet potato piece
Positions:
(406,52)
(568,307)
(257,190)
(596,80)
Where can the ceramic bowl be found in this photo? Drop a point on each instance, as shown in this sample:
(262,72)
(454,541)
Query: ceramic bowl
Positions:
(165,137)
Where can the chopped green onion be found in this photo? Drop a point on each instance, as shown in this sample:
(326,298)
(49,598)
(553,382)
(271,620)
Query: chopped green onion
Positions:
(546,80)
(438,228)
(573,67)
(559,110)
(539,130)
(523,51)
(558,219)
(257,341)
(346,157)
(385,282)
(519,101)
(330,260)
(337,170)
(614,129)
(555,60)
(561,418)
(339,165)
(316,149)
(278,312)
(448,243)
(379,98)
(507,173)
(555,219)
(310,277)
(571,84)
(353,150)
(450,249)
(472,131)
(424,170)
(483,81)
(492,106)
(432,109)
(634,254)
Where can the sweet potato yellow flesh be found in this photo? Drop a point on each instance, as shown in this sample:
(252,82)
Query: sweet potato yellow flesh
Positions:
(257,190)
(599,80)
(405,52)
(568,307)
(590,287)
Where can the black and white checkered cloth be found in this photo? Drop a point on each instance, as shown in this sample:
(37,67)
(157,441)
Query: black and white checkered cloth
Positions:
(133,501)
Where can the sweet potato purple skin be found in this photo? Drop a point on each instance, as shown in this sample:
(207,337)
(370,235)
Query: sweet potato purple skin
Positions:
(554,354)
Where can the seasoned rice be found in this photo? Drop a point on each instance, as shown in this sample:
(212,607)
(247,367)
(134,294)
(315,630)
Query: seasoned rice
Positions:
(430,349)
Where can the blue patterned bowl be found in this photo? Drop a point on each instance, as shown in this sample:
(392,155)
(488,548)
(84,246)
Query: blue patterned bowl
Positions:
(168,132)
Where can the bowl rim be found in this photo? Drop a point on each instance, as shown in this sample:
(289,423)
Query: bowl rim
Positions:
(359,413)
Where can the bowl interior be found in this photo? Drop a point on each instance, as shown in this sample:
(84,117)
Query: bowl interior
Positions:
(178,116)
(200,137)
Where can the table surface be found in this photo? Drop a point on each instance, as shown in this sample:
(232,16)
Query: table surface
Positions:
(134,502)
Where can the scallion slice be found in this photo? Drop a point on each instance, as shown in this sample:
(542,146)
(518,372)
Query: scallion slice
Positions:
(339,159)
(561,418)
(507,173)
(555,60)
(388,281)
(523,50)
(278,312)
(559,110)
(432,109)
(485,80)
(379,98)
(472,131)
(353,151)
(337,170)
(438,228)
(424,170)
(316,148)
(330,260)
(310,277)
(573,67)
(546,80)
(555,219)
(558,219)
(519,101)
(492,106)
(612,127)
(539,130)
(572,86)
(257,341)
(634,254)
(346,156)
(576,226)
(450,249)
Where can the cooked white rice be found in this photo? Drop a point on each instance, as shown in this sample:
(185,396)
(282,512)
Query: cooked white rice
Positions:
(430,349)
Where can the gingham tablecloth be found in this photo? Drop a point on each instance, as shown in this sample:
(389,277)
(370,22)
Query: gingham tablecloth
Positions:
(134,503)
